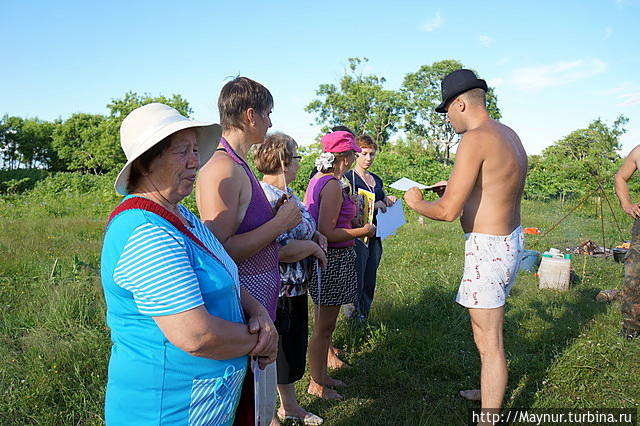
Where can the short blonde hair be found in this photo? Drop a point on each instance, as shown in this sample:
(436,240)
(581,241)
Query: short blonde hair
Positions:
(276,150)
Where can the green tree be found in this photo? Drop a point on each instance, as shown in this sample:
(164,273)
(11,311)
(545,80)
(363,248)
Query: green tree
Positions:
(83,143)
(120,108)
(35,148)
(10,134)
(91,142)
(359,102)
(577,163)
(422,94)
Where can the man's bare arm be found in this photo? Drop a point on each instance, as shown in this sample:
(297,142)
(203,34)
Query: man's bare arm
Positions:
(628,168)
(218,191)
(469,159)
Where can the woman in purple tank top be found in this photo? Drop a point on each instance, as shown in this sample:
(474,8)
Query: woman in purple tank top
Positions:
(332,208)
(233,206)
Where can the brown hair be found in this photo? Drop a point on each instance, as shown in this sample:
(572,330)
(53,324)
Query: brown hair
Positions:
(239,95)
(365,141)
(141,164)
(275,148)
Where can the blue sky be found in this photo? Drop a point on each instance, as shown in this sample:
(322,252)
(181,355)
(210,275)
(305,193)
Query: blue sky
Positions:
(556,65)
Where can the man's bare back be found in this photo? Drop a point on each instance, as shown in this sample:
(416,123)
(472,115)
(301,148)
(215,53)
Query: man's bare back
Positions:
(493,206)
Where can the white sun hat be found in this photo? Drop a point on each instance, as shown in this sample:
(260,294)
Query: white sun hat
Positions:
(149,124)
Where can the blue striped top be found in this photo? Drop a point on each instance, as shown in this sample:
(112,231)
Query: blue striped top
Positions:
(154,266)
(148,269)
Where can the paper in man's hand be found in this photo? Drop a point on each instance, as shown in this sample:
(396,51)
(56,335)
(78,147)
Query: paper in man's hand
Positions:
(404,184)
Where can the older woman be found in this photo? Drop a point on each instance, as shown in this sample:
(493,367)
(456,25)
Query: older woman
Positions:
(368,255)
(329,203)
(174,304)
(277,159)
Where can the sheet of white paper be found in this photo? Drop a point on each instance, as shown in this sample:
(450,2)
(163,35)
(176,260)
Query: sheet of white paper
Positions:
(390,221)
(404,184)
(256,390)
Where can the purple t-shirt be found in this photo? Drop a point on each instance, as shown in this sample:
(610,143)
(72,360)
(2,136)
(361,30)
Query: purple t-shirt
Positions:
(347,209)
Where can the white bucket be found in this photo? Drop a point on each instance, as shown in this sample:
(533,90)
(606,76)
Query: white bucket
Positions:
(554,273)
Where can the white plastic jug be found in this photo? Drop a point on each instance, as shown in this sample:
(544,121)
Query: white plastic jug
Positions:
(555,273)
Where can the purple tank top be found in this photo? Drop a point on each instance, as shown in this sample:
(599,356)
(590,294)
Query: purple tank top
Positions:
(347,209)
(260,273)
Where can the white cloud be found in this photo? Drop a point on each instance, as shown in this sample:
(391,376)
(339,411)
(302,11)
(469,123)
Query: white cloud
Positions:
(433,23)
(557,74)
(485,40)
(627,94)
(630,98)
(608,32)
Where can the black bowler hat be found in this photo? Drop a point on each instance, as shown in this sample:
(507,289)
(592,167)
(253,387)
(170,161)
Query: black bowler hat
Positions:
(456,83)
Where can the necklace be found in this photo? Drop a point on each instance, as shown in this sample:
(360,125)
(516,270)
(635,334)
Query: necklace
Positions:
(371,188)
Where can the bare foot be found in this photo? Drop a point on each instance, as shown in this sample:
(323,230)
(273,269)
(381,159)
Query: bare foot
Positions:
(300,415)
(336,351)
(333,362)
(471,394)
(275,421)
(335,383)
(321,391)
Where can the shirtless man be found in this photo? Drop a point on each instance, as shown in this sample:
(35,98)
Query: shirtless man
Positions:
(631,291)
(485,187)
(233,206)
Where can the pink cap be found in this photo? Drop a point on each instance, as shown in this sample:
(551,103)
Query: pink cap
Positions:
(339,142)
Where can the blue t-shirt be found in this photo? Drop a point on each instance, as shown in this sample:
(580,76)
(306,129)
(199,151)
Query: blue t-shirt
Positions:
(149,268)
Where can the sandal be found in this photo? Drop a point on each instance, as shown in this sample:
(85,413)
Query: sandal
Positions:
(309,419)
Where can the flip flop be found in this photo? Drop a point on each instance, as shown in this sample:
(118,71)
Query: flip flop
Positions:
(309,419)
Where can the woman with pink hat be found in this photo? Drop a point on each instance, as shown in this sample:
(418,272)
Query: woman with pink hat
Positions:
(328,201)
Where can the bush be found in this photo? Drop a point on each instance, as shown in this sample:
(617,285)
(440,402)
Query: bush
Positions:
(63,194)
(20,180)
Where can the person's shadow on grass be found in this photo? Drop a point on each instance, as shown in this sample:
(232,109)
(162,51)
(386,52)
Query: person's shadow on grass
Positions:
(413,358)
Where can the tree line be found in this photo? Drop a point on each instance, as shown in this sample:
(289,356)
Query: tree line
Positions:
(89,143)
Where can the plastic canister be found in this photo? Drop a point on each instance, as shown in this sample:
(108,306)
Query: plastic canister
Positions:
(554,273)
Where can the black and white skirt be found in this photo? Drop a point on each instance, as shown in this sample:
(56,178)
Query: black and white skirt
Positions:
(339,282)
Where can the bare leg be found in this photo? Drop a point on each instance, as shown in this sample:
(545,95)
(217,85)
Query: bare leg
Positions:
(333,362)
(288,402)
(318,347)
(487,333)
(275,421)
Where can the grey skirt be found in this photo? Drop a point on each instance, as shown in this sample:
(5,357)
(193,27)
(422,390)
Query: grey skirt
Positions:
(339,282)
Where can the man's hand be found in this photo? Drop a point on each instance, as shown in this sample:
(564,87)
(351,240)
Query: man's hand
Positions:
(390,200)
(440,187)
(288,213)
(413,196)
(267,346)
(632,210)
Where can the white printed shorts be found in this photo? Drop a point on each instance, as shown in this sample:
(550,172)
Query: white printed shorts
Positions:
(491,265)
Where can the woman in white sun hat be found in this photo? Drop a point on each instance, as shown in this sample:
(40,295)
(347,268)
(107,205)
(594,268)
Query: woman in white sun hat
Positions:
(174,304)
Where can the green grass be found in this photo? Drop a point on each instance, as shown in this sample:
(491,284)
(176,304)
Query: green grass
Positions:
(408,363)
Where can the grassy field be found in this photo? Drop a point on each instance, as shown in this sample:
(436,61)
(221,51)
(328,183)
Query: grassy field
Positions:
(408,363)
